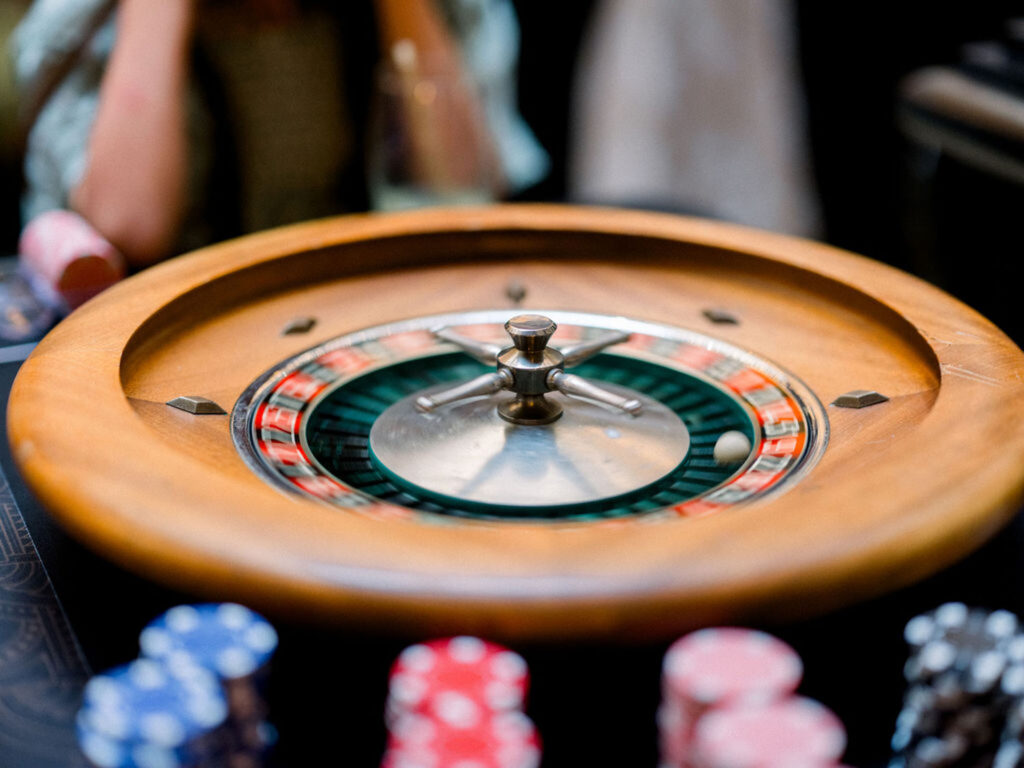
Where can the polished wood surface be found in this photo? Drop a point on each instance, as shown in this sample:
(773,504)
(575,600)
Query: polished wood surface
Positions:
(903,489)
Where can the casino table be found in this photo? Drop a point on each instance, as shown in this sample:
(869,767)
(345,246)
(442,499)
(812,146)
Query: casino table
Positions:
(835,526)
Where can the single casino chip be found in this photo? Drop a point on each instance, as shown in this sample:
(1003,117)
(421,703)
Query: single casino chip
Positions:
(499,740)
(938,751)
(145,712)
(788,733)
(151,702)
(972,643)
(459,673)
(225,638)
(103,752)
(716,665)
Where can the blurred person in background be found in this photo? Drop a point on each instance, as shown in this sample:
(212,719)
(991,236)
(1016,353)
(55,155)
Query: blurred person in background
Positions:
(695,107)
(11,12)
(183,122)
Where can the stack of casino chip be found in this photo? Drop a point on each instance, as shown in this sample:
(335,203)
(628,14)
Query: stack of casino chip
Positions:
(459,701)
(716,669)
(965,677)
(233,643)
(148,715)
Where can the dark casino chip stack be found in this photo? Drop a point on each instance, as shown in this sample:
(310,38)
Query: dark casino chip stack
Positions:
(147,715)
(235,644)
(965,677)
(459,702)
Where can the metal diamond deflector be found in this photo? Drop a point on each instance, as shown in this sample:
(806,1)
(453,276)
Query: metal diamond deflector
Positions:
(515,291)
(199,406)
(859,398)
(299,325)
(721,316)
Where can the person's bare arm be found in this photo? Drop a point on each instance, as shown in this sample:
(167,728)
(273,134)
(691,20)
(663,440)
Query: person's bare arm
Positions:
(134,187)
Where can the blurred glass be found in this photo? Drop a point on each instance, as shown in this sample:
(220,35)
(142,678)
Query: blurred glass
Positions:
(428,142)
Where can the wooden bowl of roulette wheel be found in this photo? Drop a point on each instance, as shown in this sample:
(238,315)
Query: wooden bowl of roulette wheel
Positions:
(329,459)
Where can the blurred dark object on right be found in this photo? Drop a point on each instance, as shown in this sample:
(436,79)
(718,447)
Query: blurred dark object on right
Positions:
(895,181)
(965,175)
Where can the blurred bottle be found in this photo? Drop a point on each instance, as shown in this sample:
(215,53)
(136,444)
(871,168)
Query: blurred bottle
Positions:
(428,140)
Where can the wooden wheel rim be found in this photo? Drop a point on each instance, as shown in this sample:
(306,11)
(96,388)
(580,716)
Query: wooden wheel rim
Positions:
(904,488)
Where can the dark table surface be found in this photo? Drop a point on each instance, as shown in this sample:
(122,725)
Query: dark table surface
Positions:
(593,704)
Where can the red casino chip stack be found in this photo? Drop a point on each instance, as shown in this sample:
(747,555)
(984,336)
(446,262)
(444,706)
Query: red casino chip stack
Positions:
(459,700)
(482,672)
(795,732)
(716,668)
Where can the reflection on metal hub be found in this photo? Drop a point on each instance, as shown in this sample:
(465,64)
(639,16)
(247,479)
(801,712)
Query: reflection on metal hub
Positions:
(465,452)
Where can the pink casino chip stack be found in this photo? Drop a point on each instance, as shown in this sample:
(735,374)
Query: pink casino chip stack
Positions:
(719,668)
(66,260)
(459,700)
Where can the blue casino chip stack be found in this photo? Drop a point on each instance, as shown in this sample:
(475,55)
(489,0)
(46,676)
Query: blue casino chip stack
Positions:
(147,715)
(235,644)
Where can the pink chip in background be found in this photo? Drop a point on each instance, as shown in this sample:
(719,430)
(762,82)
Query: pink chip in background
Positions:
(714,665)
(66,260)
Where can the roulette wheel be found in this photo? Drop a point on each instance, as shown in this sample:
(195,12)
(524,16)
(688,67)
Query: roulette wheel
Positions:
(527,422)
